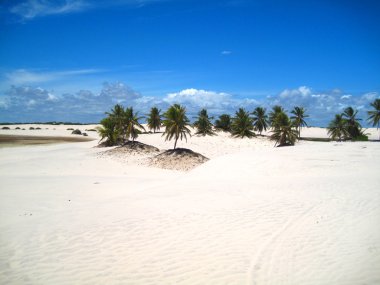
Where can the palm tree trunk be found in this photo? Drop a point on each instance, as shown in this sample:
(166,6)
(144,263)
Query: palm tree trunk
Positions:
(175,143)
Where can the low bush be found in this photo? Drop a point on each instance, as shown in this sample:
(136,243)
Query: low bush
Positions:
(76,132)
(361,138)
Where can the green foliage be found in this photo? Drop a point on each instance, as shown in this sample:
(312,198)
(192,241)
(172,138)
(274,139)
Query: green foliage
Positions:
(273,114)
(223,123)
(119,117)
(361,138)
(352,124)
(298,119)
(132,126)
(176,123)
(337,129)
(108,131)
(5,128)
(374,115)
(76,132)
(203,124)
(284,131)
(154,119)
(260,119)
(242,124)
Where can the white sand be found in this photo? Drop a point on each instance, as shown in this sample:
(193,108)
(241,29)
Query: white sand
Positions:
(253,214)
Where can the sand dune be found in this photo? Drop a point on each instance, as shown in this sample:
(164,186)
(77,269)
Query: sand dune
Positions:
(252,214)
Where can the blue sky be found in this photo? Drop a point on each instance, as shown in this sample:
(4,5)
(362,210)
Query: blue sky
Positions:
(72,60)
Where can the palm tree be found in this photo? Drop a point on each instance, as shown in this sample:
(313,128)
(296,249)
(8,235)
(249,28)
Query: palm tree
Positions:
(108,131)
(273,114)
(242,124)
(176,123)
(223,123)
(284,132)
(133,127)
(203,124)
(337,128)
(353,126)
(260,119)
(299,119)
(154,119)
(374,115)
(118,115)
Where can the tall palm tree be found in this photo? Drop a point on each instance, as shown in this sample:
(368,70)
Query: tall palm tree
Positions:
(299,118)
(284,132)
(337,129)
(203,124)
(176,123)
(273,114)
(108,131)
(242,124)
(133,127)
(154,119)
(353,126)
(223,123)
(374,115)
(260,119)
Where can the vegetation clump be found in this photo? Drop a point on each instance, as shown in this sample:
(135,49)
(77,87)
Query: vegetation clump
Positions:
(176,123)
(346,126)
(120,125)
(260,120)
(374,115)
(284,131)
(5,128)
(242,124)
(154,119)
(298,119)
(76,132)
(203,124)
(223,123)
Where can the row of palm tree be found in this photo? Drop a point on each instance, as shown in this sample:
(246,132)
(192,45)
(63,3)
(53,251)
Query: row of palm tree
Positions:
(347,126)
(121,125)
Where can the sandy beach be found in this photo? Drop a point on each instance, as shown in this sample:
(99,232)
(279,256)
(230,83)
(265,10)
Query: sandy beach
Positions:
(72,213)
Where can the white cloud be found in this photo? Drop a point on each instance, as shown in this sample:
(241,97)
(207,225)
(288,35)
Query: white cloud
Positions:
(39,104)
(24,76)
(226,52)
(30,9)
(302,91)
(35,8)
(322,106)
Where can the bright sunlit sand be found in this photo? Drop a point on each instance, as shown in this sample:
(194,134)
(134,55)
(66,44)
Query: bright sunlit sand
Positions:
(251,214)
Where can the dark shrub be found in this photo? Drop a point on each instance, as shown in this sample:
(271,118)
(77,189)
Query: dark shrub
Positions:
(76,132)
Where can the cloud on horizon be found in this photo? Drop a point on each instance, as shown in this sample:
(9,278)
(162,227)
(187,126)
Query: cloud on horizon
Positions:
(27,104)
